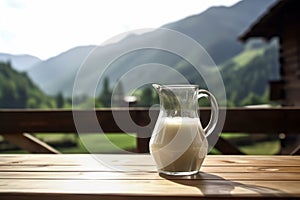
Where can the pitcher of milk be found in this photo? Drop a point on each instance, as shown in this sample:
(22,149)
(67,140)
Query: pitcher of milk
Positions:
(178,143)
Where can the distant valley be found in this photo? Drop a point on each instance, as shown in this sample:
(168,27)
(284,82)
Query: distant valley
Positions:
(216,29)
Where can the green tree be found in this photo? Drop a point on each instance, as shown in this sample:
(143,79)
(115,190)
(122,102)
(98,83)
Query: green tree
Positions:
(146,99)
(22,97)
(105,95)
(118,95)
(60,102)
(9,97)
(252,99)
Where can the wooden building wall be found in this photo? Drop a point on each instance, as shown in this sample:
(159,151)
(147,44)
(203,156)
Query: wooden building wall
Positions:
(286,23)
(290,58)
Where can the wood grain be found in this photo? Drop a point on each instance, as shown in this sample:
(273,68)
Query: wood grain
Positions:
(143,159)
(134,177)
(149,175)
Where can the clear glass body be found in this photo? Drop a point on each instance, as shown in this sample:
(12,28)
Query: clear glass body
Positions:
(178,143)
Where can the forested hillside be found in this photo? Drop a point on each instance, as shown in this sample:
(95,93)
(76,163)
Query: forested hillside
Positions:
(246,76)
(18,91)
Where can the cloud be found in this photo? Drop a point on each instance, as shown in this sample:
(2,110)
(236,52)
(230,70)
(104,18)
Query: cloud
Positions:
(45,28)
(17,4)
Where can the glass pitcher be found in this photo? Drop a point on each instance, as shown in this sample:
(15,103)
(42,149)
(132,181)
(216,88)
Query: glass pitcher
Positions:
(178,143)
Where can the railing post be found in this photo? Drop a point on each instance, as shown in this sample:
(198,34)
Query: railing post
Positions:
(143,138)
(143,119)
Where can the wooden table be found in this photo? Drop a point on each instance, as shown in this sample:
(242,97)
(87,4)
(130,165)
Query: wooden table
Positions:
(134,177)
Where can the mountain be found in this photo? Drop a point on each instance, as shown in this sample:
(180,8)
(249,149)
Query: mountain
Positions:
(56,75)
(216,29)
(18,91)
(20,62)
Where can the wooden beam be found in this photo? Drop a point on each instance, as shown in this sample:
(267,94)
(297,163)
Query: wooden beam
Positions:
(29,143)
(296,151)
(262,120)
(227,148)
(248,120)
(237,120)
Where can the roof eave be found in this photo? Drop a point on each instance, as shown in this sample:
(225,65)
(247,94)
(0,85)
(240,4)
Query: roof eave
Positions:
(264,27)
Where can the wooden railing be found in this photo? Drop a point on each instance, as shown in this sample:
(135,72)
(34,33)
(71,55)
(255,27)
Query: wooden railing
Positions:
(16,125)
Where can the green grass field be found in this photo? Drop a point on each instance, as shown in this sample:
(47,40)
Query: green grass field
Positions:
(120,143)
(97,143)
(72,143)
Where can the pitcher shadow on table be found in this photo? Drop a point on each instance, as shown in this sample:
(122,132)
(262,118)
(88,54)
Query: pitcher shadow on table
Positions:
(214,185)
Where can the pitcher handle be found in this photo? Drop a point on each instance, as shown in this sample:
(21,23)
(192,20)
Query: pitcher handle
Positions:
(214,111)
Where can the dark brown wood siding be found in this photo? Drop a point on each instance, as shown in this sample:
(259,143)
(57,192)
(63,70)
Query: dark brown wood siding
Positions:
(290,58)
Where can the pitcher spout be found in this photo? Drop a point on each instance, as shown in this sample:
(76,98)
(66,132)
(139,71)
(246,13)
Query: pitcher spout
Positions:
(157,87)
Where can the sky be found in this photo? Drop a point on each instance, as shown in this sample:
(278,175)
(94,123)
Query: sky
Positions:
(46,28)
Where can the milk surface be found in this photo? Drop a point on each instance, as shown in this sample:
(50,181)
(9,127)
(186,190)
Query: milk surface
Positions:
(178,144)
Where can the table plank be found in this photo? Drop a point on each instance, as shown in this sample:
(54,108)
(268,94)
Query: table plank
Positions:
(164,187)
(147,176)
(134,176)
(85,162)
(211,169)
(144,159)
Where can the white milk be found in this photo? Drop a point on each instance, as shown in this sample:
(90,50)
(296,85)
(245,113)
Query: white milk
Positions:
(179,145)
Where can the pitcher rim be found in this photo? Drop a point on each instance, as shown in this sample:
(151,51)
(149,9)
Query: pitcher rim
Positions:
(180,86)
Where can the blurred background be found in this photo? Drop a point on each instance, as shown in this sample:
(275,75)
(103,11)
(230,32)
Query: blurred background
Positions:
(43,44)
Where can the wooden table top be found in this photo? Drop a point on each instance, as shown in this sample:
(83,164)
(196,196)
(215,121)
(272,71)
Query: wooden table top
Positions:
(133,176)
